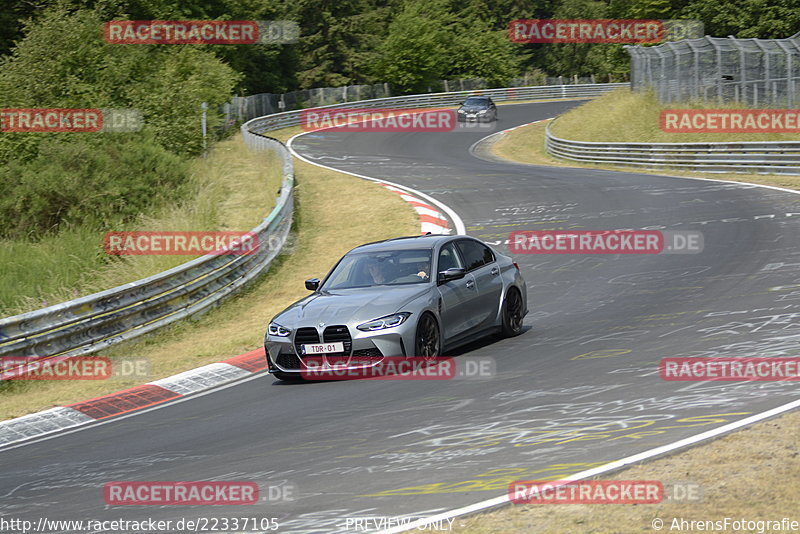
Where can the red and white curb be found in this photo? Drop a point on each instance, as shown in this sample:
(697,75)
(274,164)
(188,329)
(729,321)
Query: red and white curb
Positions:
(431,219)
(136,398)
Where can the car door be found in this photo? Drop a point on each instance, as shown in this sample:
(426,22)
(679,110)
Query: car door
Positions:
(454,295)
(482,265)
(491,109)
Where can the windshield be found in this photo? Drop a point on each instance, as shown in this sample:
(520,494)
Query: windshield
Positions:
(477,102)
(387,268)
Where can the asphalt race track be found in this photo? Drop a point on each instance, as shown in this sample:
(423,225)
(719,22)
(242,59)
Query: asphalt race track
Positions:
(577,389)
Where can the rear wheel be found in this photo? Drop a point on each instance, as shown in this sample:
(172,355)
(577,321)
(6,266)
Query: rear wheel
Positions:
(428,342)
(512,313)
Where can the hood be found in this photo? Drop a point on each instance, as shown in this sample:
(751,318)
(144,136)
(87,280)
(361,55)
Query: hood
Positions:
(344,306)
(474,109)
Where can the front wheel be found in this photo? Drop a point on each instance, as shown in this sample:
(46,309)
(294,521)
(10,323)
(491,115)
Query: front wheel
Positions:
(512,313)
(427,342)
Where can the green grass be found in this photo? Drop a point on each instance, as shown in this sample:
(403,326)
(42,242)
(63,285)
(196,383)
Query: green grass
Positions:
(234,189)
(622,116)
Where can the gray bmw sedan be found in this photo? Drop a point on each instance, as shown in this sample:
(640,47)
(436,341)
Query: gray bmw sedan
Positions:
(409,296)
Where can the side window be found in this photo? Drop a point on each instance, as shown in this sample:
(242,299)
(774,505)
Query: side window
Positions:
(448,258)
(488,255)
(475,254)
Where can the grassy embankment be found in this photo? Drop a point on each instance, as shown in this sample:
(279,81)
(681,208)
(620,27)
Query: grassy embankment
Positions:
(625,117)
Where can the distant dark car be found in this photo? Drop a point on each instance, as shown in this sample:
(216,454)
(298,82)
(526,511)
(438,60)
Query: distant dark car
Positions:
(413,296)
(477,108)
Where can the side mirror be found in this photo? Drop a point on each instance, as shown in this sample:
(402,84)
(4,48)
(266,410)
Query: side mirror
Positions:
(454,273)
(312,284)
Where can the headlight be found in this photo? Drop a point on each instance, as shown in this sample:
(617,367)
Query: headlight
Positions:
(277,330)
(384,322)
(481,112)
(461,111)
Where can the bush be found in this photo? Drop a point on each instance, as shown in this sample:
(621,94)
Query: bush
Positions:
(98,181)
(63,62)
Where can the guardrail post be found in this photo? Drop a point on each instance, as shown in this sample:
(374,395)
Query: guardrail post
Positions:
(787,52)
(742,68)
(695,88)
(676,71)
(719,68)
(766,77)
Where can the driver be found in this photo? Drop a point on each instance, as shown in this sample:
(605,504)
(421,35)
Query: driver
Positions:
(375,271)
(423,267)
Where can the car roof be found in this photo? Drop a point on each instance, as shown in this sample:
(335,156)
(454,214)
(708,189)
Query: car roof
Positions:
(404,243)
(478,97)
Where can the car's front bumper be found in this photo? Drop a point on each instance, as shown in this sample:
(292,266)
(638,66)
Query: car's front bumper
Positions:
(365,349)
(486,117)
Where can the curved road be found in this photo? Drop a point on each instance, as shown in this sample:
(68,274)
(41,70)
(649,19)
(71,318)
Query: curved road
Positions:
(579,388)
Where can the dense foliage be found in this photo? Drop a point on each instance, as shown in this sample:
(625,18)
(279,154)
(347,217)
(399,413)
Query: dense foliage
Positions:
(357,41)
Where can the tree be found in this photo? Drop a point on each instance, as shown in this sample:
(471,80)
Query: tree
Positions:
(167,83)
(12,15)
(575,58)
(338,39)
(480,52)
(764,19)
(417,50)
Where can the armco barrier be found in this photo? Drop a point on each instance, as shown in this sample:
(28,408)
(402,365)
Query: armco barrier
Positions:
(775,157)
(94,322)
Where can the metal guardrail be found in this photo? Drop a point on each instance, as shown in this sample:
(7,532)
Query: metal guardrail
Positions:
(774,157)
(244,108)
(94,322)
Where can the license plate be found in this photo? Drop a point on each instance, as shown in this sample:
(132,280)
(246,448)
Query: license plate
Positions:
(322,348)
